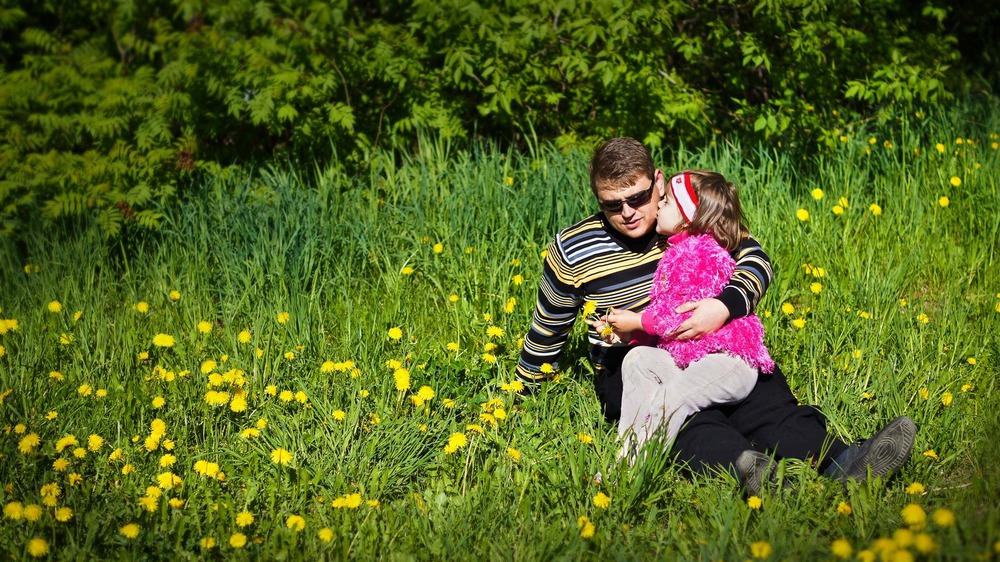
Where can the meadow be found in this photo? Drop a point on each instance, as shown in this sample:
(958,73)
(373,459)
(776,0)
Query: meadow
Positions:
(306,365)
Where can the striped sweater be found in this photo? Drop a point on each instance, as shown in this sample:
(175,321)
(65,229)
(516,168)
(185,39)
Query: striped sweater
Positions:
(591,261)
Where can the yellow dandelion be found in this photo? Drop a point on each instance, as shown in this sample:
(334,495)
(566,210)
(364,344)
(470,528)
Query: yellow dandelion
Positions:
(939,147)
(244,519)
(799,322)
(602,500)
(163,340)
(946,399)
(586,527)
(129,531)
(875,209)
(325,534)
(844,508)
(841,548)
(295,522)
(760,550)
(407,270)
(923,318)
(787,308)
(943,201)
(438,248)
(914,515)
(955,181)
(817,194)
(943,517)
(837,210)
(281,456)
(142,307)
(924,543)
(816,288)
(514,454)
(352,501)
(55,307)
(282,317)
(395,333)
(38,547)
(204,327)
(585,438)
(915,489)
(237,540)
(802,215)
(402,379)
(754,502)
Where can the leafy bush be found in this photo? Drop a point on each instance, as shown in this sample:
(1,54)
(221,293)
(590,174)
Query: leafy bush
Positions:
(108,108)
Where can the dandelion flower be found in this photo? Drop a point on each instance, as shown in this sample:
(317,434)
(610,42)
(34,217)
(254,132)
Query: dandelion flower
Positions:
(407,270)
(158,402)
(585,438)
(760,549)
(163,340)
(244,337)
(787,308)
(339,415)
(914,515)
(129,531)
(64,514)
(494,332)
(802,215)
(204,327)
(586,527)
(325,534)
(816,288)
(453,298)
(438,248)
(244,518)
(295,522)
(237,540)
(955,181)
(799,322)
(939,147)
(518,279)
(142,307)
(28,443)
(37,547)
(817,194)
(946,399)
(915,489)
(395,333)
(841,548)
(923,318)
(402,378)
(875,209)
(207,543)
(352,501)
(602,500)
(514,454)
(943,201)
(452,346)
(13,511)
(943,517)
(55,307)
(281,456)
(837,210)
(844,508)
(282,317)
(754,502)
(924,543)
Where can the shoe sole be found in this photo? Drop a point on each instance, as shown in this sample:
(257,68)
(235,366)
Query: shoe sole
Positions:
(752,469)
(888,452)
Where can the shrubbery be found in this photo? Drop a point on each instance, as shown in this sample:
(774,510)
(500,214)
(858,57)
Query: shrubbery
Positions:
(107,108)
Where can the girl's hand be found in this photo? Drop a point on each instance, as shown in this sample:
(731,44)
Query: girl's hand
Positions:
(707,316)
(623,323)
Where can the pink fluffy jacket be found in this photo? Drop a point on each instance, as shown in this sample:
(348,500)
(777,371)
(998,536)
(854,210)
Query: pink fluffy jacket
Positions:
(694,268)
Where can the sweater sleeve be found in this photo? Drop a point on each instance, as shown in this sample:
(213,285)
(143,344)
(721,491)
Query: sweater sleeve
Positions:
(559,300)
(750,280)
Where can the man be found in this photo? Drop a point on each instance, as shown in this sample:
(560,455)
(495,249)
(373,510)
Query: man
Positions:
(607,261)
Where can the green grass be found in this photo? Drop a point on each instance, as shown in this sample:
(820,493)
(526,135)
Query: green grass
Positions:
(330,251)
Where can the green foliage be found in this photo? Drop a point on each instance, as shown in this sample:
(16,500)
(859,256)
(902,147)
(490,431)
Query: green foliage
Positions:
(112,107)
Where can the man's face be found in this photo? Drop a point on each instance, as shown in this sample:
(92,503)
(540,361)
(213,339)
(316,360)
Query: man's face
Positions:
(631,210)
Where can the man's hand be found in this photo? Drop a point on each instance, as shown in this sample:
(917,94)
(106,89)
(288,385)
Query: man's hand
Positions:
(623,323)
(707,316)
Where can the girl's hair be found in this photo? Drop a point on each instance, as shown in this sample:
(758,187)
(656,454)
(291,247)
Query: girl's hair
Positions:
(719,212)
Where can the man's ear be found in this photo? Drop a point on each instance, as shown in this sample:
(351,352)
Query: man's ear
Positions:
(661,184)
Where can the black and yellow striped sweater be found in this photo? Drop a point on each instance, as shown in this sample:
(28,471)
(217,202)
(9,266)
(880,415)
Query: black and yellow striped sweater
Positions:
(591,262)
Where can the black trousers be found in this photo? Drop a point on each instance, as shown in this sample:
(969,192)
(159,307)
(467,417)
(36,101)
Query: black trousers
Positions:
(769,420)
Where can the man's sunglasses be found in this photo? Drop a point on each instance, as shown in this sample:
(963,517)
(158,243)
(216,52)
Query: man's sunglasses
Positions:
(634,201)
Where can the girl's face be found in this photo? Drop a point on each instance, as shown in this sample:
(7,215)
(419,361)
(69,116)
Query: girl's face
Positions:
(669,220)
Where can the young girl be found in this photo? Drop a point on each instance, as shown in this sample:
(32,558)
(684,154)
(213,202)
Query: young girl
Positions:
(702,216)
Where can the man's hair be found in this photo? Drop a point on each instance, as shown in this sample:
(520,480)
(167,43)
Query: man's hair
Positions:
(619,162)
(719,212)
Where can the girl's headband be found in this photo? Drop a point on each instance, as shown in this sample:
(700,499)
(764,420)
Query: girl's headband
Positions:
(680,186)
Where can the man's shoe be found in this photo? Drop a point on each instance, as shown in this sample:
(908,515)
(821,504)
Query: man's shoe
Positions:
(754,469)
(877,456)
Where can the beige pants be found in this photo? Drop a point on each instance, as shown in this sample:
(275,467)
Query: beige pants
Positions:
(658,396)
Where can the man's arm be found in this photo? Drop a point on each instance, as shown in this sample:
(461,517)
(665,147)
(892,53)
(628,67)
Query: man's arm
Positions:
(739,298)
(556,308)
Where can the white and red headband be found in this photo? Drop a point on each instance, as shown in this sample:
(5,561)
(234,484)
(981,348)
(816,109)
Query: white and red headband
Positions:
(687,200)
